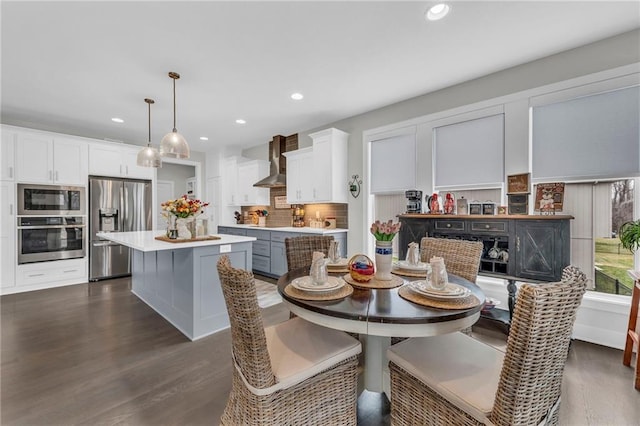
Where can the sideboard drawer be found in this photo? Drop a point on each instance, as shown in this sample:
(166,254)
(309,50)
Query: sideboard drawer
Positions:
(501,226)
(449,225)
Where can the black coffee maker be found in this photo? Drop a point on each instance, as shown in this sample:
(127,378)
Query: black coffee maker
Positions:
(414,201)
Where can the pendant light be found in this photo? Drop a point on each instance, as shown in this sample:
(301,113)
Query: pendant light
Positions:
(149,156)
(173,144)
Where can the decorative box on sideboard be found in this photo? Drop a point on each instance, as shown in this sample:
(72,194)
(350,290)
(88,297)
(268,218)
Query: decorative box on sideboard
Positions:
(518,203)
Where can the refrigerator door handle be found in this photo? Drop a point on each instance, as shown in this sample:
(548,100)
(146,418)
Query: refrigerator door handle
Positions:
(123,209)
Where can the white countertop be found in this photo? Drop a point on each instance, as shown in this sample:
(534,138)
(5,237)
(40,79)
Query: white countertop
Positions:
(302,230)
(145,240)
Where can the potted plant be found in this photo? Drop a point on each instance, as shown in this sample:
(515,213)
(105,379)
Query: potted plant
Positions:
(630,235)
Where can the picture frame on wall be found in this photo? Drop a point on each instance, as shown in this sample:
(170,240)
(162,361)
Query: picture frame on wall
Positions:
(549,197)
(519,184)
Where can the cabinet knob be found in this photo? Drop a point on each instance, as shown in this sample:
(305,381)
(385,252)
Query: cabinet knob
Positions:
(487,226)
(448,225)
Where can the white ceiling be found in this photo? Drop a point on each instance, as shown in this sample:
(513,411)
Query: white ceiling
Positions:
(71,66)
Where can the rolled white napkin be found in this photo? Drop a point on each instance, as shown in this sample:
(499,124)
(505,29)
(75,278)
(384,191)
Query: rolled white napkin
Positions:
(318,270)
(413,254)
(439,276)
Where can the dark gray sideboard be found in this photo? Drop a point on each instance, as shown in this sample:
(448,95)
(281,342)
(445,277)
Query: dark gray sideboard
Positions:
(538,247)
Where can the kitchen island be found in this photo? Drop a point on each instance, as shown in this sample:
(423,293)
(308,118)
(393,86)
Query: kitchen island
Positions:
(180,280)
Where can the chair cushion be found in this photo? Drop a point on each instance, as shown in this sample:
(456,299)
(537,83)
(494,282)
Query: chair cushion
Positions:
(299,349)
(461,369)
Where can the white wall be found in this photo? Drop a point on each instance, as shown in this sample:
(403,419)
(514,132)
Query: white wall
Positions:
(600,56)
(178,174)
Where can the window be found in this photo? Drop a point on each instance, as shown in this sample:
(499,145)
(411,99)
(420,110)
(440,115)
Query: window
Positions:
(587,138)
(388,207)
(612,261)
(599,210)
(398,149)
(470,154)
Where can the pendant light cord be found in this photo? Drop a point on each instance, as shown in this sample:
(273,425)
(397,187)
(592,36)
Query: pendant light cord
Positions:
(149,102)
(149,143)
(174,106)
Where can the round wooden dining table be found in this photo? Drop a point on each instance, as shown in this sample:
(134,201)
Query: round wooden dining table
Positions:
(379,314)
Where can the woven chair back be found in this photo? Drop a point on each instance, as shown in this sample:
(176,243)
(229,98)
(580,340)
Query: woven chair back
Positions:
(300,250)
(461,258)
(247,330)
(537,349)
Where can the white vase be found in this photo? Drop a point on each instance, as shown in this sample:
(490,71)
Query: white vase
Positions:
(384,256)
(184,226)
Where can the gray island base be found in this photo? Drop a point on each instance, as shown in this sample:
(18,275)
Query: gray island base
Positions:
(180,280)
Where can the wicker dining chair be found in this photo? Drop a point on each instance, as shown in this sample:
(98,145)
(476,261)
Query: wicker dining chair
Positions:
(299,250)
(454,379)
(293,373)
(461,257)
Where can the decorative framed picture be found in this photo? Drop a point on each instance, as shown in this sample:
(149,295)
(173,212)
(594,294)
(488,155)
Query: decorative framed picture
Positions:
(549,197)
(519,184)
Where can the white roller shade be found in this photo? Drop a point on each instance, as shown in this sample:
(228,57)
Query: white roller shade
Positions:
(588,138)
(470,154)
(393,164)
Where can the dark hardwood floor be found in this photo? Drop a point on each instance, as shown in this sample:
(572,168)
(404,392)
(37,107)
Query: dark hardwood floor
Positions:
(95,354)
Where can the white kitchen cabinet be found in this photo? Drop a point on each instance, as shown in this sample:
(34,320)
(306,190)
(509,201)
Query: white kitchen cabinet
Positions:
(330,183)
(249,173)
(300,176)
(49,159)
(230,182)
(319,174)
(7,234)
(57,273)
(7,158)
(117,161)
(131,168)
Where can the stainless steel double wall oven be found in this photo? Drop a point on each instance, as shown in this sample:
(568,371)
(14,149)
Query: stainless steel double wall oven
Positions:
(51,222)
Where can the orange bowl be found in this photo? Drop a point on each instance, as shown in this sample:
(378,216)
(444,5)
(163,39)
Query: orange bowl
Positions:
(361,268)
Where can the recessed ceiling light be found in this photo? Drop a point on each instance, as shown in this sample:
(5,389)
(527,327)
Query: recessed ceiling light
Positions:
(117,120)
(297,96)
(241,121)
(437,12)
(204,138)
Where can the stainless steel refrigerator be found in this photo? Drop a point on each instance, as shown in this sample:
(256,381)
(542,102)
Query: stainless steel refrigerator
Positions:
(115,205)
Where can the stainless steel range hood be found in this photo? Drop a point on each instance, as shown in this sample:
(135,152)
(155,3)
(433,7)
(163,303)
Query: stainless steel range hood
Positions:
(277,177)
